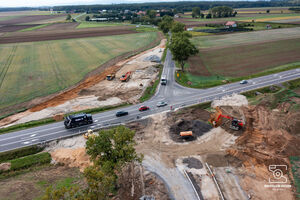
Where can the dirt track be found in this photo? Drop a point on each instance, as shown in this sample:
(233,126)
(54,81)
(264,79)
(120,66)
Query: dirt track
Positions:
(64,34)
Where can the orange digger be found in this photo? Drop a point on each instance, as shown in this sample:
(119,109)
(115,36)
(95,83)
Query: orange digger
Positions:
(216,120)
(125,77)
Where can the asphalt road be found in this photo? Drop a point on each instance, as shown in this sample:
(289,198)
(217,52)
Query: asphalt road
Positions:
(174,94)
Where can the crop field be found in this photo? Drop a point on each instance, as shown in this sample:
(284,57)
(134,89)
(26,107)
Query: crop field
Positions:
(29,70)
(228,40)
(243,60)
(99,24)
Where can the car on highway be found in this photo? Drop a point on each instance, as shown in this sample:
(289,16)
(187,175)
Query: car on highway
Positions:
(243,82)
(121,113)
(161,104)
(163,80)
(144,108)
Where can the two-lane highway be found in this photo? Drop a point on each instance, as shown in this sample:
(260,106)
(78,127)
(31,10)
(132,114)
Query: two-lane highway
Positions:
(175,95)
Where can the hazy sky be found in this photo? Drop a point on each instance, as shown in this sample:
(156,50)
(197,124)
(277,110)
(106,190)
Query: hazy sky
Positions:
(35,3)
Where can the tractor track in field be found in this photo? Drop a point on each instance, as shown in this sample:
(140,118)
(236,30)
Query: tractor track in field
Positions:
(7,65)
(55,67)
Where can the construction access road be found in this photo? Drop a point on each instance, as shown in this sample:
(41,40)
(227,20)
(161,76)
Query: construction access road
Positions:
(174,94)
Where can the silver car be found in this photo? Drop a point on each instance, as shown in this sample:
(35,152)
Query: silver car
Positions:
(161,104)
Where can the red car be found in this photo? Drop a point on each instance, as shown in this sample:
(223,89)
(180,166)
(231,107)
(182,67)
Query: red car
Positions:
(143,108)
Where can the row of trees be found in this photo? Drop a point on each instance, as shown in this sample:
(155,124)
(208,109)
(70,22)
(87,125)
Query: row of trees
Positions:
(179,6)
(110,151)
(215,12)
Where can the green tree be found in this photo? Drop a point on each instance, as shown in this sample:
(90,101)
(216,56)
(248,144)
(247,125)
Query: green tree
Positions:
(196,12)
(166,24)
(182,48)
(177,27)
(268,11)
(63,193)
(221,11)
(87,18)
(69,17)
(151,13)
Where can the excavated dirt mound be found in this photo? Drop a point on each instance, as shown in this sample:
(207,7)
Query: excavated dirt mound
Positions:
(72,157)
(197,127)
(265,140)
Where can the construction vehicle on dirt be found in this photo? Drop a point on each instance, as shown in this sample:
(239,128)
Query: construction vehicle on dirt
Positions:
(125,77)
(110,77)
(216,120)
(186,134)
(89,133)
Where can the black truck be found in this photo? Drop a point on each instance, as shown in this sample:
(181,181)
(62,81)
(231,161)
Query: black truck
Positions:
(78,120)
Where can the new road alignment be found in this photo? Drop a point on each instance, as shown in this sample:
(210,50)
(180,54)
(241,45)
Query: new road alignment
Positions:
(175,95)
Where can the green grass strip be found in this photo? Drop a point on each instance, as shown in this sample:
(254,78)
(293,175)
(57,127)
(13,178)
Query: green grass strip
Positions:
(34,28)
(28,161)
(150,90)
(295,168)
(17,153)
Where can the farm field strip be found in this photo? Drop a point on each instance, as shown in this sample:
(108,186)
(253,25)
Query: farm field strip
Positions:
(243,60)
(219,41)
(36,69)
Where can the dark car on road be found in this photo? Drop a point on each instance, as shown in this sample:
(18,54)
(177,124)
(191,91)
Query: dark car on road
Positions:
(121,113)
(144,108)
(78,120)
(243,82)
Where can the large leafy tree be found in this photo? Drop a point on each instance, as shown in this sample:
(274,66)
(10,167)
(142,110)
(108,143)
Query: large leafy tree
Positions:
(177,27)
(196,12)
(110,150)
(166,24)
(182,48)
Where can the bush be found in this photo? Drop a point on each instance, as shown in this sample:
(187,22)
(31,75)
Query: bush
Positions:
(293,84)
(29,161)
(9,155)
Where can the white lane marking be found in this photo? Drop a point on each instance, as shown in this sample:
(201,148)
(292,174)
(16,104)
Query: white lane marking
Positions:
(32,135)
(27,142)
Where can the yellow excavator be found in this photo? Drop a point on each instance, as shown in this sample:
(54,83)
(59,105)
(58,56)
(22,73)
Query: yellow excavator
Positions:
(216,120)
(89,133)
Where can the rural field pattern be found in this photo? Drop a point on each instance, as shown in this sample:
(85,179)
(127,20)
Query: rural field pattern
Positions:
(33,69)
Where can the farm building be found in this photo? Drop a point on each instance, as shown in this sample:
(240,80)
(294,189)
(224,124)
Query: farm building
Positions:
(231,24)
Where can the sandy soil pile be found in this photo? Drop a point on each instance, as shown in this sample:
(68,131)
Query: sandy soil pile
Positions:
(233,100)
(72,157)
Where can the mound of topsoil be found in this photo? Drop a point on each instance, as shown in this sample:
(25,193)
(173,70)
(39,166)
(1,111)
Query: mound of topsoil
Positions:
(197,127)
(267,139)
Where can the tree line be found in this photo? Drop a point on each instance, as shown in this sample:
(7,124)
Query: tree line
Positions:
(179,6)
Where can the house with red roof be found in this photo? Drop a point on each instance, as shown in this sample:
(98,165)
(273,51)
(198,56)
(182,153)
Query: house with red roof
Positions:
(231,24)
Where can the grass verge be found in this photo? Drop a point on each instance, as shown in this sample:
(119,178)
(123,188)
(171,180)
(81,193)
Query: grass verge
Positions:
(14,154)
(188,80)
(34,28)
(150,90)
(31,124)
(12,113)
(26,163)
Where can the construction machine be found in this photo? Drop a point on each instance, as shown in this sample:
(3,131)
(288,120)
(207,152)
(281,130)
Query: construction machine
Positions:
(125,77)
(110,77)
(216,120)
(89,134)
(186,134)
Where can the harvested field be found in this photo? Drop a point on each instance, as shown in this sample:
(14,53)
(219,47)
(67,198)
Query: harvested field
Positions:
(34,36)
(13,28)
(60,64)
(229,40)
(27,19)
(244,60)
(60,26)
